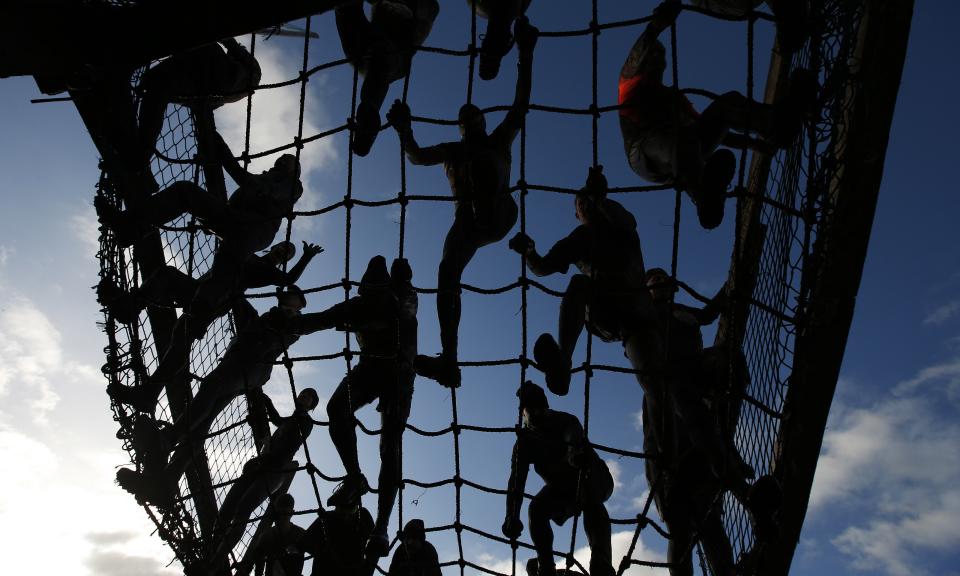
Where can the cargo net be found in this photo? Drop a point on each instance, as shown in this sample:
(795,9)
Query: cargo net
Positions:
(787,195)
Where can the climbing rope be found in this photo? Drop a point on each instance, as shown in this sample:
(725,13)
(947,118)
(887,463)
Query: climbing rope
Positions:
(789,202)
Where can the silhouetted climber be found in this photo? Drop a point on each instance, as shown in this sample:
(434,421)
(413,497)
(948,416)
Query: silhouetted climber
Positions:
(478,168)
(382,49)
(210,75)
(246,223)
(336,539)
(414,556)
(695,474)
(790,16)
(245,367)
(495,44)
(607,296)
(169,287)
(263,475)
(277,551)
(667,140)
(575,480)
(384,318)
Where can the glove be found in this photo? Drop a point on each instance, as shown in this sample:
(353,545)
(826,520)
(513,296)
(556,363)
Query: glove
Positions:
(521,244)
(512,528)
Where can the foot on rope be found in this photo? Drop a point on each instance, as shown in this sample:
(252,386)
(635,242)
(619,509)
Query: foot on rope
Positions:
(494,45)
(141,398)
(125,231)
(156,490)
(151,446)
(378,546)
(349,490)
(717,175)
(441,368)
(796,105)
(121,305)
(366,129)
(555,367)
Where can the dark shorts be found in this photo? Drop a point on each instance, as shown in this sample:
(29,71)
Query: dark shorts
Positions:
(373,380)
(562,500)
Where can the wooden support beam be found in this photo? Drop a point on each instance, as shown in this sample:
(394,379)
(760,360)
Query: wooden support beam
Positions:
(68,42)
(877,68)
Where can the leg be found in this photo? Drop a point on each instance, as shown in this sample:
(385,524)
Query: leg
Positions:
(539,514)
(716,545)
(554,359)
(458,249)
(394,414)
(498,38)
(355,32)
(706,172)
(596,521)
(356,390)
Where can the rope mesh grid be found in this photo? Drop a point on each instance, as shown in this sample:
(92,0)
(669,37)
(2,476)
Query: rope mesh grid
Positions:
(794,206)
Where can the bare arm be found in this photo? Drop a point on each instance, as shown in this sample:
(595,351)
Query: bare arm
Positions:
(272,415)
(557,260)
(663,17)
(399,117)
(526,40)
(309,251)
(520,467)
(229,163)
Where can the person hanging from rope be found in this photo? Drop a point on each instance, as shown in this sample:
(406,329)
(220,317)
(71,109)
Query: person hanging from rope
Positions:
(381,48)
(211,75)
(263,475)
(610,299)
(168,287)
(496,43)
(575,480)
(246,223)
(384,318)
(790,16)
(336,539)
(415,556)
(275,551)
(667,140)
(690,488)
(478,168)
(246,367)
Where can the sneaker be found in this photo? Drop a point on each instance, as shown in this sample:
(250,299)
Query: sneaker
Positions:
(154,490)
(555,367)
(349,490)
(493,47)
(366,129)
(120,304)
(440,368)
(140,398)
(378,546)
(717,175)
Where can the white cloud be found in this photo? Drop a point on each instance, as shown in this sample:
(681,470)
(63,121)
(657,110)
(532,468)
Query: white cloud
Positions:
(5,253)
(616,473)
(638,420)
(275,117)
(30,356)
(898,459)
(943,313)
(85,228)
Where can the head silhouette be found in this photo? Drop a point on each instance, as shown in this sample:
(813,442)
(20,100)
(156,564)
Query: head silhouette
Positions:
(471,121)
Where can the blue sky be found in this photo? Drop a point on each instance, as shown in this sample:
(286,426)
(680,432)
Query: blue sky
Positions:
(885,500)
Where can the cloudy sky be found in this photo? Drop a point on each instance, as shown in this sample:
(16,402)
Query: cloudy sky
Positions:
(885,500)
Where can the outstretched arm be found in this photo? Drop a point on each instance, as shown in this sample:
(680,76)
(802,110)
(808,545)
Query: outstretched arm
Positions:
(309,251)
(558,259)
(354,314)
(230,164)
(664,16)
(272,415)
(519,468)
(399,117)
(526,35)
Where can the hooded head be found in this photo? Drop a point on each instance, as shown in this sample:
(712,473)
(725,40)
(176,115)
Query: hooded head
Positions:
(375,277)
(292,299)
(533,403)
(414,535)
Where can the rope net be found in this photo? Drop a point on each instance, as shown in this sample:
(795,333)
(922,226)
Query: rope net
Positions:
(784,195)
